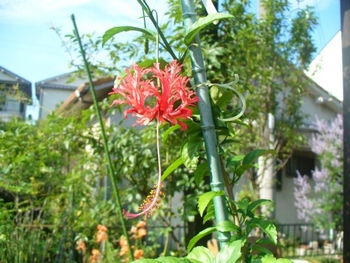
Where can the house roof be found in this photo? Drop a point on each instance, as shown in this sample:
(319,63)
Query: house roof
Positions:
(66,81)
(81,98)
(9,78)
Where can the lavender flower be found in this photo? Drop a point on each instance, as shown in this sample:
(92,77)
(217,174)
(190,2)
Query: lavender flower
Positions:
(320,202)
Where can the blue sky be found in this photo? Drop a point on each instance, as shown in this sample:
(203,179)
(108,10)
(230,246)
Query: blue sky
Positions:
(29,48)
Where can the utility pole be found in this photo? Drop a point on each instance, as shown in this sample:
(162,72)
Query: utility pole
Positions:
(345,30)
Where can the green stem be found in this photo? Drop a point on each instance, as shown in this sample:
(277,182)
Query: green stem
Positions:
(208,127)
(167,46)
(104,138)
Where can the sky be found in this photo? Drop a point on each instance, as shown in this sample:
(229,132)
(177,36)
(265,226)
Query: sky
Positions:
(30,49)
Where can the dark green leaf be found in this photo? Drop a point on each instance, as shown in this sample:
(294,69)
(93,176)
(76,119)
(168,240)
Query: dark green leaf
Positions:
(174,260)
(261,249)
(243,206)
(210,213)
(166,260)
(241,169)
(145,260)
(171,168)
(231,252)
(200,235)
(272,259)
(200,172)
(226,226)
(268,227)
(201,254)
(253,155)
(190,153)
(202,23)
(169,131)
(205,199)
(255,204)
(119,29)
(150,63)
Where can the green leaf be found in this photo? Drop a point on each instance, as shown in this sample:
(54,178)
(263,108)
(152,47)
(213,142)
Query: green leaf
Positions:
(255,204)
(200,172)
(166,134)
(231,252)
(165,260)
(190,153)
(243,206)
(173,260)
(119,29)
(268,227)
(171,168)
(143,64)
(145,260)
(210,213)
(201,254)
(241,169)
(253,155)
(205,199)
(261,249)
(119,79)
(226,226)
(200,235)
(150,62)
(202,23)
(272,259)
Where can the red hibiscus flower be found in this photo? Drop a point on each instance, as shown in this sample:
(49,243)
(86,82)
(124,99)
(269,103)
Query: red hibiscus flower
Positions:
(164,97)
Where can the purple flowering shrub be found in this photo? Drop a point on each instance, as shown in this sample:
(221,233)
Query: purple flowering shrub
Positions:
(319,200)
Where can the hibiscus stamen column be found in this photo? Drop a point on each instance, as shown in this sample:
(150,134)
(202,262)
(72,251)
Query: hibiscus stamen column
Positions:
(208,127)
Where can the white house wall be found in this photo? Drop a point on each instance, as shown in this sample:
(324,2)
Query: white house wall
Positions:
(50,99)
(316,107)
(326,69)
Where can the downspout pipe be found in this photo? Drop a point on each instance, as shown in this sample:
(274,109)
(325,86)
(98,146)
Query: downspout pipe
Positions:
(207,122)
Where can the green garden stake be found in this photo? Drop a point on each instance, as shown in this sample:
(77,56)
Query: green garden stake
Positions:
(207,122)
(104,138)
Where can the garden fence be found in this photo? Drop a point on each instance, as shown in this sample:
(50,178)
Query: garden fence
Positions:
(297,240)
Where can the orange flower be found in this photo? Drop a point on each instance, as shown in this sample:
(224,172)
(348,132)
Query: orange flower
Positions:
(141,232)
(95,256)
(141,224)
(102,228)
(101,233)
(80,245)
(133,230)
(101,236)
(124,250)
(138,253)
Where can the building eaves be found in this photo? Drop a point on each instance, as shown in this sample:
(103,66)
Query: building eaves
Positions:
(325,97)
(81,98)
(51,83)
(24,85)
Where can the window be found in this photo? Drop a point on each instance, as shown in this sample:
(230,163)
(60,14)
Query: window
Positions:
(304,162)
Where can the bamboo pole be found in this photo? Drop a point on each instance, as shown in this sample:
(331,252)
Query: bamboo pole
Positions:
(207,122)
(104,138)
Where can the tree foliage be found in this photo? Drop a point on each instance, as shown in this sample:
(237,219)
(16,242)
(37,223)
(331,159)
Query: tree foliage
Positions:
(53,183)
